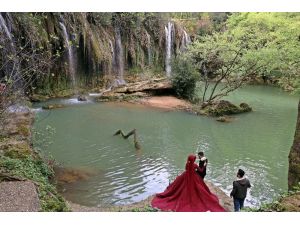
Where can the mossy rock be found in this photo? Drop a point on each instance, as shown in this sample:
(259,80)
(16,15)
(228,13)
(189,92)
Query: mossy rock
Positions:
(24,130)
(18,151)
(245,107)
(15,149)
(223,107)
(110,98)
(224,119)
(38,98)
(53,106)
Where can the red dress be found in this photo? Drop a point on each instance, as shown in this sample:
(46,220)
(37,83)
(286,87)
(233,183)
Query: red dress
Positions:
(188,193)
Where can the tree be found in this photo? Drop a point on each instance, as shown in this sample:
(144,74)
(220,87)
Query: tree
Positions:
(184,77)
(279,34)
(224,63)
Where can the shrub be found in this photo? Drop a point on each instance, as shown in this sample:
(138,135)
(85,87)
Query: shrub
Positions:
(184,77)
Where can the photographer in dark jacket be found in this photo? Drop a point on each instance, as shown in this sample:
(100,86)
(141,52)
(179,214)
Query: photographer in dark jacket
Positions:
(239,191)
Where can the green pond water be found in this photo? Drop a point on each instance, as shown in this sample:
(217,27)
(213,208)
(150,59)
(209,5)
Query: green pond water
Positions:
(258,142)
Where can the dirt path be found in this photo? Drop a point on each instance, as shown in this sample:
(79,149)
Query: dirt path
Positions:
(19,196)
(165,102)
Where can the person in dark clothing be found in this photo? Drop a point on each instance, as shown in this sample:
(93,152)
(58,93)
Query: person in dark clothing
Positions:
(239,191)
(202,165)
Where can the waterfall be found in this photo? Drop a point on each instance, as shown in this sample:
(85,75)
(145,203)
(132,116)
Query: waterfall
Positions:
(149,48)
(4,27)
(185,41)
(12,66)
(169,42)
(118,62)
(112,52)
(70,54)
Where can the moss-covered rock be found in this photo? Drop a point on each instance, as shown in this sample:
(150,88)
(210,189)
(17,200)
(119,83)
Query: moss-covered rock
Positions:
(53,106)
(224,119)
(245,107)
(38,98)
(224,107)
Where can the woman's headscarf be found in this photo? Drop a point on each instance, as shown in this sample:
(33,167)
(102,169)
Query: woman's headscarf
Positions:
(189,166)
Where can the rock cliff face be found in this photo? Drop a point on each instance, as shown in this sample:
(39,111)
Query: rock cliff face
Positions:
(294,157)
(88,49)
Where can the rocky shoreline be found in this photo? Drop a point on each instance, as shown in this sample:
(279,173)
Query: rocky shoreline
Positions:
(145,205)
(24,174)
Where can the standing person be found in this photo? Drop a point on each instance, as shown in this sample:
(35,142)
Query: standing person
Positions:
(187,193)
(202,165)
(239,191)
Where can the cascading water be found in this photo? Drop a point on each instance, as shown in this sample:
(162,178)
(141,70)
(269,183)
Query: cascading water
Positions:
(169,42)
(185,41)
(118,62)
(149,48)
(4,27)
(12,66)
(70,54)
(112,52)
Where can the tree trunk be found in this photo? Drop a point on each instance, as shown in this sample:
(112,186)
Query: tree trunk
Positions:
(294,156)
(133,132)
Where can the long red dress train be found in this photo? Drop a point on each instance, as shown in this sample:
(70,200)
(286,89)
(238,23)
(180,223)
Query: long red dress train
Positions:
(188,193)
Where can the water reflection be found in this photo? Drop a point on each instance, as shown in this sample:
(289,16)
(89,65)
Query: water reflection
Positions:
(257,142)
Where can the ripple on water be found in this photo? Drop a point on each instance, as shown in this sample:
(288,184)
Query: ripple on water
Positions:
(256,142)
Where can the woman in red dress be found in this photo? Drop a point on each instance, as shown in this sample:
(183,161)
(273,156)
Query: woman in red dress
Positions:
(188,193)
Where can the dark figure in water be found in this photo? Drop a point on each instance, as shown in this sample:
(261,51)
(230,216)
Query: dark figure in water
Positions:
(239,191)
(202,165)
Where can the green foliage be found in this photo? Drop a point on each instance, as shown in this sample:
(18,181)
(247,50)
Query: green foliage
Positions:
(277,43)
(144,209)
(184,77)
(223,59)
(277,205)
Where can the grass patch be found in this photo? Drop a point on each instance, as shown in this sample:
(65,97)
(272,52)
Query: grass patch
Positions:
(279,204)
(144,209)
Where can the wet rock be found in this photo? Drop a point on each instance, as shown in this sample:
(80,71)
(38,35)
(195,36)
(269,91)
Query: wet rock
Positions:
(81,98)
(245,107)
(223,107)
(38,98)
(137,90)
(53,106)
(72,175)
(224,119)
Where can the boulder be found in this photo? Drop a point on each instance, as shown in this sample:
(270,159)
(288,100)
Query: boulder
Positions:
(224,107)
(245,107)
(53,106)
(224,119)
(81,98)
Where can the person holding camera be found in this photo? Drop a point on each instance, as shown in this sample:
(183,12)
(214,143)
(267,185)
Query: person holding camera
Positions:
(239,191)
